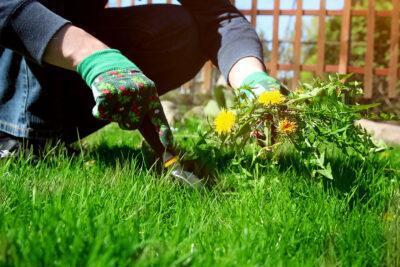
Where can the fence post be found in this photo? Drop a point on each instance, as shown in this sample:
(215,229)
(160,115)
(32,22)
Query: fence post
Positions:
(207,75)
(297,44)
(369,56)
(345,37)
(254,13)
(321,38)
(394,50)
(275,41)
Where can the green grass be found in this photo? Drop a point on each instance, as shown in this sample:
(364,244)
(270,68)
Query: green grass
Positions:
(106,207)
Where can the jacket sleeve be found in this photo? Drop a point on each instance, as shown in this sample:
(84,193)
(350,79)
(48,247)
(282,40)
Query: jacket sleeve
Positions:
(26,26)
(225,33)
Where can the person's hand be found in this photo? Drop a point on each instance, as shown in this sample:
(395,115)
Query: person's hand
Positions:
(260,82)
(251,72)
(123,94)
(120,90)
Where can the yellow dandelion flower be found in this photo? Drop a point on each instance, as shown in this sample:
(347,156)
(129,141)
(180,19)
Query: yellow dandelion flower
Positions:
(286,126)
(271,98)
(224,121)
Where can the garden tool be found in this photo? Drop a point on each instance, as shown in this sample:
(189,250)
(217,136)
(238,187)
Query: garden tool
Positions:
(180,174)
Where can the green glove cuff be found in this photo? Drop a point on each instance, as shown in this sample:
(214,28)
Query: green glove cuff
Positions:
(102,61)
(261,78)
(260,82)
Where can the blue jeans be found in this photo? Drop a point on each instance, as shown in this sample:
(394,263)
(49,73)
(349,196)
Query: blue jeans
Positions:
(46,102)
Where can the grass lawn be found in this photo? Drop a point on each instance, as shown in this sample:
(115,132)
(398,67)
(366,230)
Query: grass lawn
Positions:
(106,208)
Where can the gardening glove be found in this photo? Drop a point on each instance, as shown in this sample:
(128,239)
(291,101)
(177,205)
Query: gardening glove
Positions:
(261,82)
(123,94)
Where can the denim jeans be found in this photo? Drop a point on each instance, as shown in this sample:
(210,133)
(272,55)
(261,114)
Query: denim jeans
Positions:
(46,102)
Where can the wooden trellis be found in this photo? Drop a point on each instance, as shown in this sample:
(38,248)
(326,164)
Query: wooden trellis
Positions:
(368,70)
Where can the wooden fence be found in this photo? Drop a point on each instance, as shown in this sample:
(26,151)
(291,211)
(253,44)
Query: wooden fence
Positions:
(392,72)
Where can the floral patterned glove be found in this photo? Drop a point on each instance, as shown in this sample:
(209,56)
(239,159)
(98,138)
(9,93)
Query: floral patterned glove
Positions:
(123,94)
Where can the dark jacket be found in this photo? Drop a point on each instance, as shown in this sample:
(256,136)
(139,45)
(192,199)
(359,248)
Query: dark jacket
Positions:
(27,26)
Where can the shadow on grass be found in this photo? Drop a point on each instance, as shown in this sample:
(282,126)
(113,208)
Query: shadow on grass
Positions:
(114,155)
(348,173)
(354,178)
(111,156)
(145,158)
(345,171)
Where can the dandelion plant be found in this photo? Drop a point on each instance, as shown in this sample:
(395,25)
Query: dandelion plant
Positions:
(316,120)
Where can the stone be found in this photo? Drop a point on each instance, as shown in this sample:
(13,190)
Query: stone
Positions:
(381,131)
(170,110)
